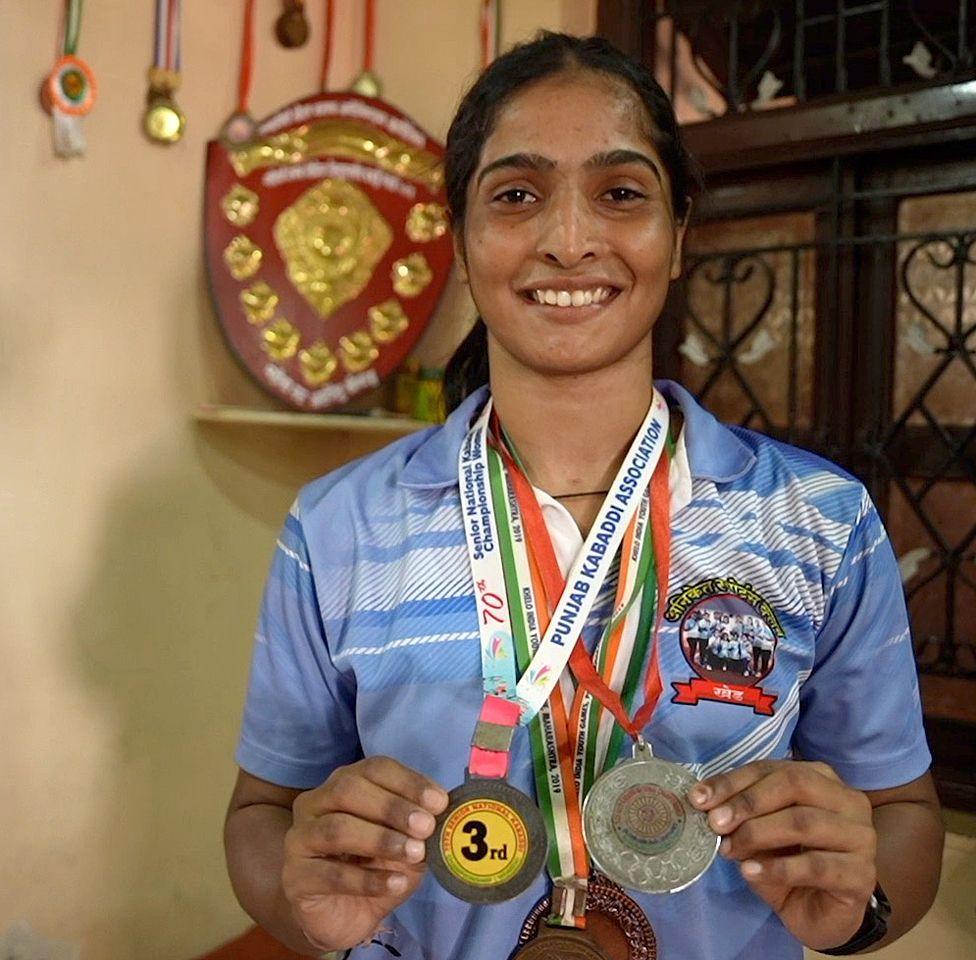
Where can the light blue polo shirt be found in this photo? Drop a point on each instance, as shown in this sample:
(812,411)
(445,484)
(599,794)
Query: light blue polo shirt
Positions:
(368,644)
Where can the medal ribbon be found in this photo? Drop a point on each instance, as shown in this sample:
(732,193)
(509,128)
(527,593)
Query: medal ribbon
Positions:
(246,74)
(326,48)
(508,579)
(369,36)
(588,570)
(489,29)
(651,581)
(72,28)
(549,729)
(166,45)
(562,779)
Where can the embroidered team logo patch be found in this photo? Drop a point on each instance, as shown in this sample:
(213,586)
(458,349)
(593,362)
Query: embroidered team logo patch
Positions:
(729,634)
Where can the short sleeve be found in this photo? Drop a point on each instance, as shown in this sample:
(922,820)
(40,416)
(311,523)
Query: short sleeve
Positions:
(860,709)
(299,716)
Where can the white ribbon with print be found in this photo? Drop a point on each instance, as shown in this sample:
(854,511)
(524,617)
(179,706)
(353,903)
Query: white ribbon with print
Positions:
(585,577)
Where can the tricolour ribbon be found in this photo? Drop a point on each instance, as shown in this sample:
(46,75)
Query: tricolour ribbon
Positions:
(531,619)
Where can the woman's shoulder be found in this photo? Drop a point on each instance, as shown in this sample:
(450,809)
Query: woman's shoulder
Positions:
(756,474)
(382,481)
(364,478)
(797,460)
(788,474)
(799,504)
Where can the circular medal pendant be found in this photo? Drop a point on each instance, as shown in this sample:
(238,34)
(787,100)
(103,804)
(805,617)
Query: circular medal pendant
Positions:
(616,927)
(163,121)
(291,28)
(238,129)
(489,844)
(554,943)
(71,87)
(367,84)
(640,829)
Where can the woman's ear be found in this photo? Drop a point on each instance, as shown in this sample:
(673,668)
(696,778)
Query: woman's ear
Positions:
(680,228)
(459,261)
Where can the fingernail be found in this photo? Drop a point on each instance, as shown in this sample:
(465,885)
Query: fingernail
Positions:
(721,816)
(724,847)
(397,883)
(700,795)
(421,822)
(750,868)
(414,850)
(433,800)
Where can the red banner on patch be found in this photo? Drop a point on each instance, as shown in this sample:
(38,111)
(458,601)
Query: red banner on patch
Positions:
(698,689)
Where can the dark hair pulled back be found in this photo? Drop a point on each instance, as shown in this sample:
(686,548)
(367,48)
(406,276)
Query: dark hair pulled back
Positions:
(547,55)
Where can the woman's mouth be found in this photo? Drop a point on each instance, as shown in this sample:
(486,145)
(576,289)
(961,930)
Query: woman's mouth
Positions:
(557,297)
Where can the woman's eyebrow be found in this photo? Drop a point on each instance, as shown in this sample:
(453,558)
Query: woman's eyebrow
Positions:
(616,158)
(520,161)
(535,161)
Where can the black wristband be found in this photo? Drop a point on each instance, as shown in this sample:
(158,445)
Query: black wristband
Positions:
(872,929)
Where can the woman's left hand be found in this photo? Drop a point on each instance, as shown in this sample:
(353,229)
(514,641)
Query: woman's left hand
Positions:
(805,843)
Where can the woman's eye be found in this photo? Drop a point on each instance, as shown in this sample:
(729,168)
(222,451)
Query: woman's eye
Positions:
(515,195)
(623,194)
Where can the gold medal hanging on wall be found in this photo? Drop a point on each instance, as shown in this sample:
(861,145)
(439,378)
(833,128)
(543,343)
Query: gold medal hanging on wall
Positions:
(163,121)
(326,235)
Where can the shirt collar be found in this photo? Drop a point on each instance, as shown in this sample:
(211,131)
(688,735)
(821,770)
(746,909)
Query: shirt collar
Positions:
(714,451)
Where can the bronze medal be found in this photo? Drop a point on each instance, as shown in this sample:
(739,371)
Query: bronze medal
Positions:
(291,27)
(559,943)
(616,929)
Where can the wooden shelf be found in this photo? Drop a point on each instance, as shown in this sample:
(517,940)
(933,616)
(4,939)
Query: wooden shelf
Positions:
(383,422)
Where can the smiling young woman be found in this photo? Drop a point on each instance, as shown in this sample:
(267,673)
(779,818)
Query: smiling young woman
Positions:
(411,596)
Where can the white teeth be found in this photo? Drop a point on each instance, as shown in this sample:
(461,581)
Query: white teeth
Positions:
(571,298)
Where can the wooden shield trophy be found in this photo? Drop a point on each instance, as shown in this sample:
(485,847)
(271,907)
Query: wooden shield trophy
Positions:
(327,244)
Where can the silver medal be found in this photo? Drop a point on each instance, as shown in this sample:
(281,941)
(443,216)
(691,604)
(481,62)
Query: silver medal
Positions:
(640,829)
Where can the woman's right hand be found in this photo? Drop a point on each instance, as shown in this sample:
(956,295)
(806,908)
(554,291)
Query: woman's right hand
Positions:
(355,850)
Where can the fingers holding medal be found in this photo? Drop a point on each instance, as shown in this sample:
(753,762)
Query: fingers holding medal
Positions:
(355,848)
(363,830)
(781,816)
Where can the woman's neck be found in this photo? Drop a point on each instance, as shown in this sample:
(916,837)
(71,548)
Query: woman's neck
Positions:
(571,431)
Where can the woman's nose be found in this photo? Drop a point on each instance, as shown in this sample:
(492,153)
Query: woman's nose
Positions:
(568,234)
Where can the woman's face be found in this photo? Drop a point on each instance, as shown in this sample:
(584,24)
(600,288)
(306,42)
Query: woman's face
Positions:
(570,203)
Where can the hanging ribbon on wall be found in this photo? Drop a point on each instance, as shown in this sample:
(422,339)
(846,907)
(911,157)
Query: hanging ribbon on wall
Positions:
(490,30)
(327,243)
(163,121)
(69,90)
(239,127)
(367,83)
(326,46)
